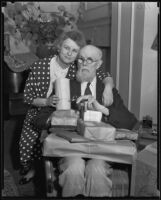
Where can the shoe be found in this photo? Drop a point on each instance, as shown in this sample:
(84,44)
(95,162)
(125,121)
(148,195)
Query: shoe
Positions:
(28,177)
(24,181)
(23,171)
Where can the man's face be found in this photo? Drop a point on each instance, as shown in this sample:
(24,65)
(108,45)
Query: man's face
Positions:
(88,62)
(68,51)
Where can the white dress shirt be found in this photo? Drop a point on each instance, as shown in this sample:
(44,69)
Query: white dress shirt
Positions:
(92,87)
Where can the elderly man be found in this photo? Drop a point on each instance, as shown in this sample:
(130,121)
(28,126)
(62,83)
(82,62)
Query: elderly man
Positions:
(89,177)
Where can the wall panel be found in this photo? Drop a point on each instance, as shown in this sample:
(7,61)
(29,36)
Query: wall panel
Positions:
(125,42)
(114,40)
(137,58)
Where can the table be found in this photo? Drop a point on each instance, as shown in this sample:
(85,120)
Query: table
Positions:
(122,151)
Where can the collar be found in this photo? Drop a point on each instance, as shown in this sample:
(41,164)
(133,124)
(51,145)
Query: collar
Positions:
(93,83)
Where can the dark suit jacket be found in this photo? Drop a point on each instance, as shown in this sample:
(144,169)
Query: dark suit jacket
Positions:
(119,116)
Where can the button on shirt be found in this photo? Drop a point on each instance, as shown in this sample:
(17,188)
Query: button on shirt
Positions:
(92,87)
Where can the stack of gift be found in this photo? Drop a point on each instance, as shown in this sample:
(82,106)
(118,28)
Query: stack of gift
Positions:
(92,128)
(96,130)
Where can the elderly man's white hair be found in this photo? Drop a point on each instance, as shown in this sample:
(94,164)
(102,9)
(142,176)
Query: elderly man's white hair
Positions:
(98,50)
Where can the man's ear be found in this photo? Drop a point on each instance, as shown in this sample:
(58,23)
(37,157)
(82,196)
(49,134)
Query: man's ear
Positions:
(99,63)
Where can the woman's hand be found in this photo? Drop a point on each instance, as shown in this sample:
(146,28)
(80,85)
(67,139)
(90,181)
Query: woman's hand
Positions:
(92,104)
(52,101)
(107,97)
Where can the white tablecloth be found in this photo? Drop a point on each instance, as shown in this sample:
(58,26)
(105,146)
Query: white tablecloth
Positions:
(121,151)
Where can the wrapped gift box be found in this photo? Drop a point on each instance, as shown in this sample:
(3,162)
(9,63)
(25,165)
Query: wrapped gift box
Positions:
(91,115)
(64,121)
(96,130)
(64,118)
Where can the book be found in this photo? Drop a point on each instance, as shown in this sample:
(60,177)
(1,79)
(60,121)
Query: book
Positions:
(72,136)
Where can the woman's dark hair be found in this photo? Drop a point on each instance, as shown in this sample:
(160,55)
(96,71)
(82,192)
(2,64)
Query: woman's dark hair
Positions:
(76,36)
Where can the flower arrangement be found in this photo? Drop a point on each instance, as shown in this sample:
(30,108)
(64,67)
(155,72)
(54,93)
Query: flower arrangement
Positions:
(28,23)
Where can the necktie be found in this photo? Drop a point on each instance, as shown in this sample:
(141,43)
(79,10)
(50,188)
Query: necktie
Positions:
(87,90)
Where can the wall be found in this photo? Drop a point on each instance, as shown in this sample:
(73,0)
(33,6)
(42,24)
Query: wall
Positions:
(133,62)
(96,26)
(52,6)
(96,10)
(126,51)
(148,103)
(96,23)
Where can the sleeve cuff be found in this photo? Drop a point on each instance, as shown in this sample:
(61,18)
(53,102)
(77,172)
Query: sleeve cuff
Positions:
(48,123)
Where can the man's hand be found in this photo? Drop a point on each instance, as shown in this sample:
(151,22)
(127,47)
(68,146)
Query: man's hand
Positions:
(92,104)
(52,101)
(107,97)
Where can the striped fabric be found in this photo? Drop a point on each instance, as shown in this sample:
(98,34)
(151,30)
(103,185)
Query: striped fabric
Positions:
(120,183)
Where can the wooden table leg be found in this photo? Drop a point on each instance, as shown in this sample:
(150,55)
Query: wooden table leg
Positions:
(50,178)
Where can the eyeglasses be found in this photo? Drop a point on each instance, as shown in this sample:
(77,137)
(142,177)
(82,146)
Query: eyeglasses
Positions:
(89,61)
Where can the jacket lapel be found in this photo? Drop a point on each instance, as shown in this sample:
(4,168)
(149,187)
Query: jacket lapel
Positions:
(75,90)
(99,90)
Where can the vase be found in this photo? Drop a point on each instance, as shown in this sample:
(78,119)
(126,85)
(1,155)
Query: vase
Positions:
(14,82)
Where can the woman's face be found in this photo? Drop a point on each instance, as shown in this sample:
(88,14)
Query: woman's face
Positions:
(68,51)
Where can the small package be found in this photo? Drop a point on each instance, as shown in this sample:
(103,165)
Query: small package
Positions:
(96,130)
(91,115)
(64,118)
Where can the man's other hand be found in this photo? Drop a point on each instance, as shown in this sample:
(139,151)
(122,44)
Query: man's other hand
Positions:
(107,97)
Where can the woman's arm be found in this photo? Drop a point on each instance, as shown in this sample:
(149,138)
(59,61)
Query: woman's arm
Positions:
(36,85)
(39,102)
(42,102)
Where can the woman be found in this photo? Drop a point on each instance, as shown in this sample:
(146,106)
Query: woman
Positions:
(38,90)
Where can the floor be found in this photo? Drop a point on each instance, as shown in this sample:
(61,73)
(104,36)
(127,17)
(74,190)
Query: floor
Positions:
(12,130)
